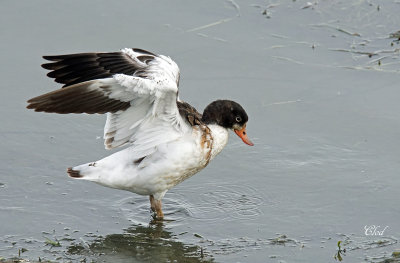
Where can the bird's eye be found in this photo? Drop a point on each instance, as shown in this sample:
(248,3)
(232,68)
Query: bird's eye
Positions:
(238,119)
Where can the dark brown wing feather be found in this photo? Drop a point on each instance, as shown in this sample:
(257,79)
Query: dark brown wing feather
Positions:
(79,98)
(75,68)
(189,113)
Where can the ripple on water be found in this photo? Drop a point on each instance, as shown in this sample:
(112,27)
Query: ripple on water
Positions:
(223,201)
(210,203)
(235,245)
(137,209)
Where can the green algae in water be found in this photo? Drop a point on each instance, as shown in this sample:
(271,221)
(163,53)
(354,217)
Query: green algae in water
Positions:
(52,243)
(340,252)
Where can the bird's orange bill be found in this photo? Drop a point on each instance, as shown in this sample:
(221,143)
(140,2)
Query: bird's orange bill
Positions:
(243,135)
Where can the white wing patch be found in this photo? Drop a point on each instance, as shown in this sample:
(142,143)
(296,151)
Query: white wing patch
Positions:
(160,65)
(153,117)
(120,126)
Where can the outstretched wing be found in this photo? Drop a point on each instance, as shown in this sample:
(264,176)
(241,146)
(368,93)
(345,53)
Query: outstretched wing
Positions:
(137,89)
(76,68)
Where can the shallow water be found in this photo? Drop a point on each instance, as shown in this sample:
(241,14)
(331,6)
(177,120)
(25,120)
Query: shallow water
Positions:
(320,85)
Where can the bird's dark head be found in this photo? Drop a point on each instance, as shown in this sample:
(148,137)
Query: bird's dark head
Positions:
(228,114)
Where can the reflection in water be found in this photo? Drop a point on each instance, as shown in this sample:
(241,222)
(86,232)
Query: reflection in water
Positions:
(141,244)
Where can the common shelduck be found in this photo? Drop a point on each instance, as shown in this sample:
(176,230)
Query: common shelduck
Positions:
(168,140)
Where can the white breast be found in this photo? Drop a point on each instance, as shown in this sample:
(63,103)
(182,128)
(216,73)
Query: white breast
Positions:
(220,139)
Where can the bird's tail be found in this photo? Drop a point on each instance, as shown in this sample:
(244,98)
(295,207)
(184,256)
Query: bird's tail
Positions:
(87,171)
(74,173)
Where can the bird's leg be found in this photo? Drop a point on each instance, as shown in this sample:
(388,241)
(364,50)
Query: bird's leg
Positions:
(158,208)
(156,205)
(152,203)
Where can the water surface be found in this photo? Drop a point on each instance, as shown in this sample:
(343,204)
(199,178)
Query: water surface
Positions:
(319,82)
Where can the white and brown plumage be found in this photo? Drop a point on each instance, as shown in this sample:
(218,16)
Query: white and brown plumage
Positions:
(168,139)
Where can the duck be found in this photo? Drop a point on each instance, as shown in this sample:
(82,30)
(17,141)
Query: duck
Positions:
(164,139)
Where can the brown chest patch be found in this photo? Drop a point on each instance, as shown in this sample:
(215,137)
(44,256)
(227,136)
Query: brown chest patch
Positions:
(206,141)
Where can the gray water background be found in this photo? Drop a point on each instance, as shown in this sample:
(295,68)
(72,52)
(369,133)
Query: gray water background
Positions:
(319,82)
